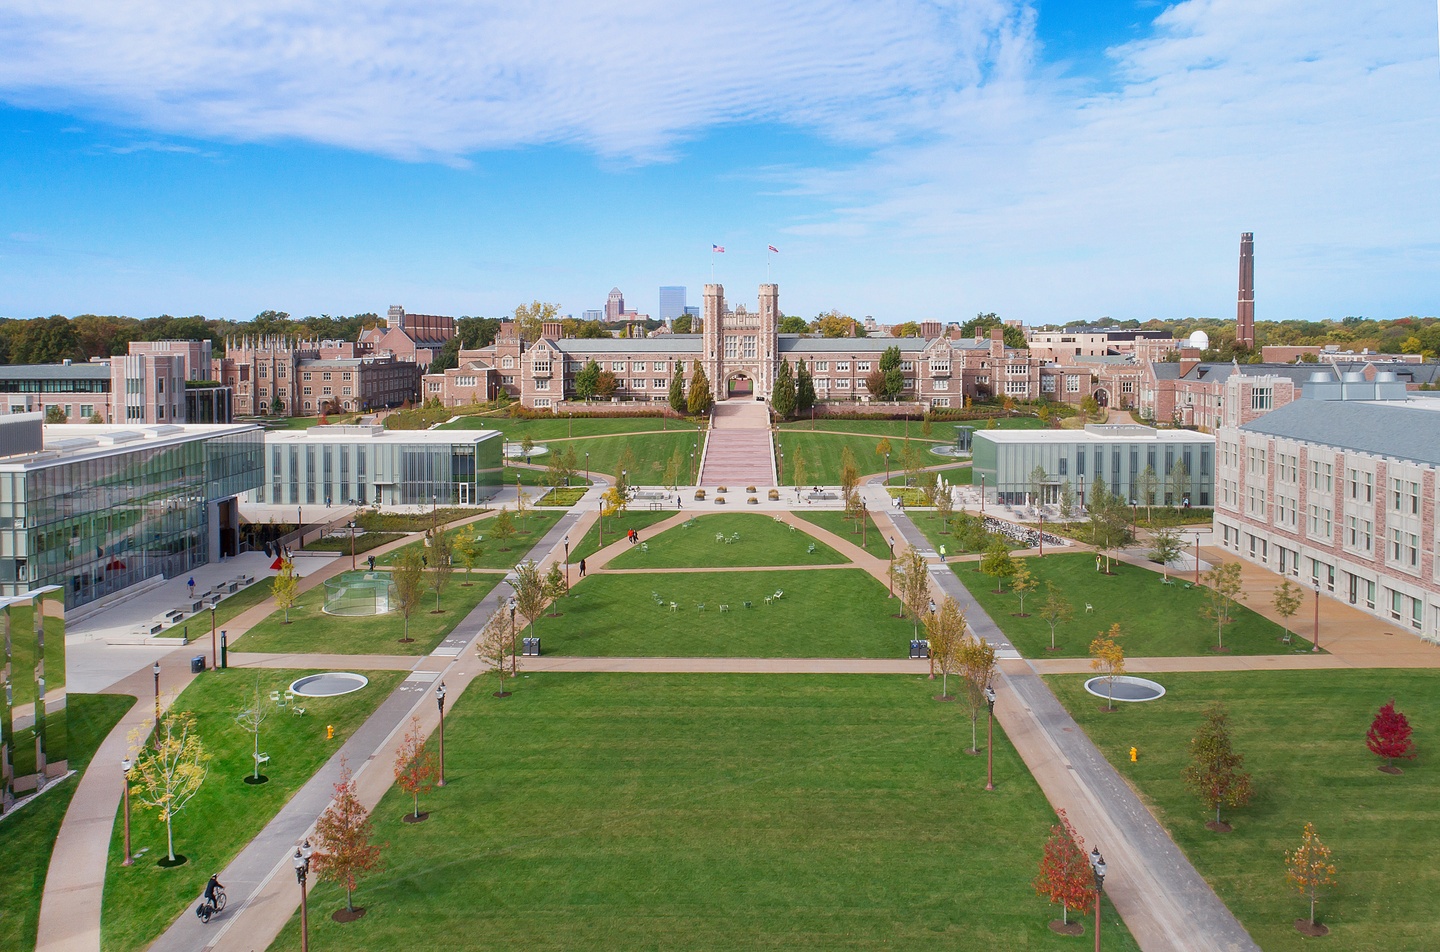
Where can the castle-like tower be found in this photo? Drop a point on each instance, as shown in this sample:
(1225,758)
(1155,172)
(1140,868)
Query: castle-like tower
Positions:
(740,348)
(1245,305)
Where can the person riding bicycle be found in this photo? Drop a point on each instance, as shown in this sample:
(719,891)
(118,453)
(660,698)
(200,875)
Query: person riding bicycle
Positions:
(211,887)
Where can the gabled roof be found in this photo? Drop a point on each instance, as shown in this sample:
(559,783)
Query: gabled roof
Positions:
(1405,430)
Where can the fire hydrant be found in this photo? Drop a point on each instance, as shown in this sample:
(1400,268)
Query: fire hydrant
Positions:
(1134,755)
(330,735)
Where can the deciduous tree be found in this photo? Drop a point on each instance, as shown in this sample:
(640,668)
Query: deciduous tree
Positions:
(586,380)
(998,563)
(1022,583)
(1147,484)
(250,719)
(945,630)
(529,587)
(1180,482)
(409,581)
(1055,610)
(977,665)
(1215,773)
(1287,599)
(913,583)
(1038,478)
(442,547)
(1223,589)
(555,585)
(502,528)
(1310,868)
(170,770)
(1389,737)
(286,587)
(415,765)
(345,851)
(1108,657)
(1065,874)
(469,547)
(1165,547)
(496,648)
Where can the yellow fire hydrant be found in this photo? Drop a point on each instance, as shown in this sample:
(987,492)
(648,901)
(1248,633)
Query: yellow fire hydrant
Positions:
(1134,755)
(330,735)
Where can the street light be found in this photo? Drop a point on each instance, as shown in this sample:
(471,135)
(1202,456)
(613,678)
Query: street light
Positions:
(1097,865)
(1315,641)
(887,469)
(891,573)
(514,665)
(125,765)
(352,545)
(587,467)
(982,494)
(440,703)
(1197,563)
(990,739)
(214,656)
(155,670)
(301,862)
(1042,535)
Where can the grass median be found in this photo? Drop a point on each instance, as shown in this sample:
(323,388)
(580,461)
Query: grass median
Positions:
(741,539)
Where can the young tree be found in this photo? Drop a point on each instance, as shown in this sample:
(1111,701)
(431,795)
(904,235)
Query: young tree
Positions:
(977,665)
(1309,868)
(286,587)
(913,584)
(605,385)
(1065,874)
(782,398)
(944,506)
(673,467)
(1107,656)
(1022,583)
(1287,599)
(1389,737)
(613,502)
(442,547)
(415,766)
(250,720)
(624,468)
(998,563)
(527,446)
(1055,610)
(522,503)
(1038,477)
(587,380)
(502,528)
(1067,500)
(928,482)
(894,379)
(344,849)
(496,648)
(1223,589)
(1165,547)
(699,399)
(1180,482)
(875,383)
(945,629)
(798,468)
(1089,407)
(1215,773)
(529,588)
(470,549)
(169,771)
(560,467)
(409,581)
(882,449)
(677,389)
(849,473)
(555,585)
(970,534)
(804,389)
(1147,484)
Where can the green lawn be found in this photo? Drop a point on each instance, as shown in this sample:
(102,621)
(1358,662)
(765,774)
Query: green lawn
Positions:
(822,453)
(1155,620)
(894,430)
(230,606)
(558,428)
(650,451)
(561,496)
(848,529)
(955,475)
(363,542)
(615,527)
(143,899)
(825,613)
(28,838)
(416,521)
(537,522)
(1302,734)
(538,477)
(929,524)
(708,812)
(311,630)
(762,541)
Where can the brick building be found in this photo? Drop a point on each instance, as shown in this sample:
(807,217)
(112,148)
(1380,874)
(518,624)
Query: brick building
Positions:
(416,338)
(279,376)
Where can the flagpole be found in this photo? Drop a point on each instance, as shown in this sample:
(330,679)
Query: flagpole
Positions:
(767,265)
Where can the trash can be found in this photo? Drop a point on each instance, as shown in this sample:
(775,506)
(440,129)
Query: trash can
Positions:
(197,664)
(531,647)
(914,649)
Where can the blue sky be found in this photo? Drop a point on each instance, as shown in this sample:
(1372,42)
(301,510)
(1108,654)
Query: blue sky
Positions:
(1049,161)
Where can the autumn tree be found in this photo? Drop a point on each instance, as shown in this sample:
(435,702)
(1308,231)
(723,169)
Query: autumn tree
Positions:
(344,849)
(1309,868)
(530,318)
(1287,599)
(286,587)
(912,581)
(849,475)
(1215,773)
(409,581)
(169,770)
(613,502)
(945,630)
(977,666)
(522,503)
(882,448)
(415,766)
(998,563)
(1065,875)
(606,384)
(1389,737)
(555,585)
(529,586)
(442,566)
(1038,478)
(1022,583)
(699,399)
(250,719)
(1108,657)
(797,467)
(471,549)
(1067,499)
(1180,482)
(1223,589)
(1055,610)
(1165,547)
(1147,484)
(502,528)
(496,648)
(944,506)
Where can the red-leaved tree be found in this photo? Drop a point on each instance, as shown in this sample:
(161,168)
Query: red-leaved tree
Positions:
(415,765)
(344,853)
(1389,737)
(1065,874)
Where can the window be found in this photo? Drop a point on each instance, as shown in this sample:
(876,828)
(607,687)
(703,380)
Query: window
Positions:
(326,391)
(822,366)
(507,380)
(617,366)
(308,391)
(281,371)
(265,371)
(749,346)
(940,402)
(659,384)
(542,383)
(1047,384)
(1019,387)
(842,366)
(862,366)
(1319,522)
(325,375)
(1320,476)
(1127,386)
(542,366)
(906,366)
(1261,398)
(507,362)
(732,347)
(1072,384)
(639,366)
(842,383)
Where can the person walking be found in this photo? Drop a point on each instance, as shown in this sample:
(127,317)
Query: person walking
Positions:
(582,568)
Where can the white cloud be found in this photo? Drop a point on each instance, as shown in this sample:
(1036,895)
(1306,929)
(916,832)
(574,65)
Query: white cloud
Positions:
(447,78)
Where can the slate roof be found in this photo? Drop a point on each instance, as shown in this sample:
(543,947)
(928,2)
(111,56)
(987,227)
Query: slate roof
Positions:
(1405,430)
(99,370)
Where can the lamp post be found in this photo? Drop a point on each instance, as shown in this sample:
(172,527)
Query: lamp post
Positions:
(125,765)
(440,703)
(514,665)
(155,670)
(587,467)
(600,504)
(887,469)
(434,511)
(1097,865)
(890,574)
(990,738)
(982,494)
(1042,535)
(567,561)
(1315,641)
(301,861)
(352,545)
(624,484)
(214,652)
(1197,563)
(864,517)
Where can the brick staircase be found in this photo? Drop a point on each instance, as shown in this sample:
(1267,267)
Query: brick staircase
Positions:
(739,452)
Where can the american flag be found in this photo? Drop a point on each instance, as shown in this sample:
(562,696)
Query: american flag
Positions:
(717,249)
(773,248)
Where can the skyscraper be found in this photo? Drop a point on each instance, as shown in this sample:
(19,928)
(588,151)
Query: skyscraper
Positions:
(614,305)
(1245,306)
(672,302)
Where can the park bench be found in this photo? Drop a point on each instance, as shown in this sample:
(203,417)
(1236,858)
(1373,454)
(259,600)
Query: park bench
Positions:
(175,614)
(149,628)
(823,496)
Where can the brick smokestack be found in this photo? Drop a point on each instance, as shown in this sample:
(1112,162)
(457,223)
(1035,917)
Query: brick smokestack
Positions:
(1245,305)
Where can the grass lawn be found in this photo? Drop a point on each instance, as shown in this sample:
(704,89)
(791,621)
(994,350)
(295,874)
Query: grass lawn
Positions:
(28,838)
(364,542)
(763,541)
(826,613)
(615,527)
(651,453)
(537,522)
(1155,620)
(706,812)
(894,430)
(311,630)
(928,522)
(538,477)
(1302,734)
(822,456)
(954,475)
(836,522)
(559,428)
(229,607)
(562,496)
(142,900)
(415,521)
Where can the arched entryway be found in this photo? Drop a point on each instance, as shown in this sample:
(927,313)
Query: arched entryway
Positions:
(1102,397)
(739,386)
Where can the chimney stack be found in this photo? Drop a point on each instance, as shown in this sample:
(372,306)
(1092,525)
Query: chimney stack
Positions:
(1245,306)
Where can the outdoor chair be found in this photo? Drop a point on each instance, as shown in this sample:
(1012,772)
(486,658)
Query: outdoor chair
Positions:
(674,607)
(261,759)
(769,599)
(644,547)
(811,549)
(700,607)
(747,605)
(720,537)
(1089,609)
(724,608)
(778,593)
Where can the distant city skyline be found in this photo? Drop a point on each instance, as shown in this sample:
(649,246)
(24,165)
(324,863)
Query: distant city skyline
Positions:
(1048,162)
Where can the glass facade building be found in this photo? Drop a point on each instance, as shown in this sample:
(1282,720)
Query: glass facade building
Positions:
(34,744)
(370,465)
(104,507)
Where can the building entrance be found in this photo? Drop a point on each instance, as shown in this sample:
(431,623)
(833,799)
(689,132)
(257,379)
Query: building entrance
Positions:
(740,386)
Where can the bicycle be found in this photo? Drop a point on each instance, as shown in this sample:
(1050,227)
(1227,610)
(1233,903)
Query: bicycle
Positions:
(205,910)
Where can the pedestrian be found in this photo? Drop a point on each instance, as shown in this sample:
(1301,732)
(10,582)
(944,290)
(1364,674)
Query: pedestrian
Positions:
(636,533)
(372,563)
(1097,563)
(582,568)
(932,606)
(191,583)
(942,553)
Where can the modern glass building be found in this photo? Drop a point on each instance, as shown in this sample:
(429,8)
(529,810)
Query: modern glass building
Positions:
(1005,462)
(96,509)
(370,465)
(34,745)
